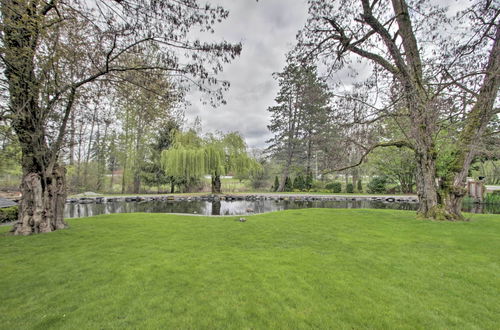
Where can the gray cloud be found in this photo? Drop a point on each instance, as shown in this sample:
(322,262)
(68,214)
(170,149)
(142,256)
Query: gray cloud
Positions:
(267,30)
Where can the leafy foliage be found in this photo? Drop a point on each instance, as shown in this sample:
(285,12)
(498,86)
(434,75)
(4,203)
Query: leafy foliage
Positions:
(300,118)
(288,184)
(192,157)
(334,187)
(298,183)
(360,186)
(308,184)
(397,165)
(8,214)
(377,185)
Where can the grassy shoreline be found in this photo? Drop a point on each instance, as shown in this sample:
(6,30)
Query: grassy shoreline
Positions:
(314,268)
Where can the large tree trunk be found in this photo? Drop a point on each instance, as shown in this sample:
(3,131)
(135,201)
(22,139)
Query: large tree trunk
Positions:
(445,203)
(216,184)
(426,183)
(422,112)
(41,209)
(43,185)
(430,202)
(452,185)
(452,204)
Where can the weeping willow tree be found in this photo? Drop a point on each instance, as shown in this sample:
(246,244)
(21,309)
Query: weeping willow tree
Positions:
(193,157)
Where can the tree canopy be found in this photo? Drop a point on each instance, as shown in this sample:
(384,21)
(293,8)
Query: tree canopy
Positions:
(193,156)
(424,63)
(55,52)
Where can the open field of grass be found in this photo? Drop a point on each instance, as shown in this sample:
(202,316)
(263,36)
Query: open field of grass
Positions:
(314,268)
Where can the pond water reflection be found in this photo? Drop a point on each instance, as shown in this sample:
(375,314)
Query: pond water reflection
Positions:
(240,207)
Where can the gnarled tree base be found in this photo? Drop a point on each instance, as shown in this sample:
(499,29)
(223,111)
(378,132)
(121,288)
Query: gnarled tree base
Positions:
(440,213)
(216,184)
(41,209)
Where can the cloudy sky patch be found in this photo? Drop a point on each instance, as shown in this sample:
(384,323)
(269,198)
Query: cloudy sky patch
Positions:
(267,30)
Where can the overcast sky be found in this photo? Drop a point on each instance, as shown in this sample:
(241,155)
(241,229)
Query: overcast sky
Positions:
(267,30)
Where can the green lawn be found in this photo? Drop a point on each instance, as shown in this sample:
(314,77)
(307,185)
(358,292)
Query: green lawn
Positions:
(315,268)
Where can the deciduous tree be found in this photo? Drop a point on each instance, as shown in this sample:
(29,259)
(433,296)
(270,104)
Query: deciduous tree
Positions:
(50,50)
(193,157)
(425,59)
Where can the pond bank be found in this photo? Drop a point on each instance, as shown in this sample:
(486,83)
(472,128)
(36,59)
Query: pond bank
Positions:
(242,197)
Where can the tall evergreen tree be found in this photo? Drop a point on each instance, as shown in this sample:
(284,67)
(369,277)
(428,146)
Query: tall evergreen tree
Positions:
(309,181)
(288,186)
(299,118)
(152,171)
(299,183)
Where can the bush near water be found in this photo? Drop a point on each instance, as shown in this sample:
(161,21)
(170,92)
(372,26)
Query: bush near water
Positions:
(8,214)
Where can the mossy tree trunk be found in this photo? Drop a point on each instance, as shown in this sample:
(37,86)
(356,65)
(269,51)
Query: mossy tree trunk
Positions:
(330,31)
(452,187)
(440,201)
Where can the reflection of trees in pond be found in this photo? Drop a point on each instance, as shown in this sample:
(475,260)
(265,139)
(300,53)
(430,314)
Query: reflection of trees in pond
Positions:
(216,205)
(348,204)
(481,208)
(243,207)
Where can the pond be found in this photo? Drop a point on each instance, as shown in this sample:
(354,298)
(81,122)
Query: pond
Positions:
(238,207)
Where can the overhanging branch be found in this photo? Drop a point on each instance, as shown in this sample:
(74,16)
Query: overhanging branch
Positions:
(368,150)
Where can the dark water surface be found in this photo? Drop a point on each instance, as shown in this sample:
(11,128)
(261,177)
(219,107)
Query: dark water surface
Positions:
(241,207)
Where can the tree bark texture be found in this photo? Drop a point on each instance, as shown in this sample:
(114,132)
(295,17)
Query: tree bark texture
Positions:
(43,184)
(452,188)
(41,209)
(216,184)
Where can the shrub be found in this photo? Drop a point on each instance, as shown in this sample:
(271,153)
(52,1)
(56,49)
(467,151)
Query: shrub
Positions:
(467,200)
(288,184)
(308,184)
(360,186)
(334,187)
(8,214)
(349,188)
(298,183)
(377,185)
(318,186)
(493,198)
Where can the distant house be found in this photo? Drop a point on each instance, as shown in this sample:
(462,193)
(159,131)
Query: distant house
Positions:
(6,203)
